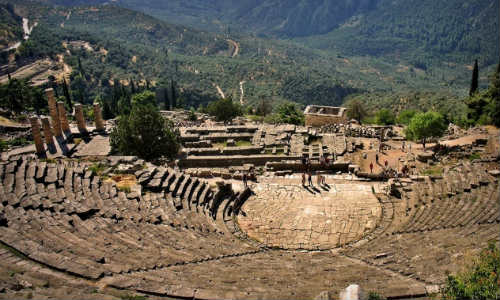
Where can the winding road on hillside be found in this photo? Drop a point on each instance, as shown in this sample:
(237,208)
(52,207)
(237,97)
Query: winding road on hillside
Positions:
(236,47)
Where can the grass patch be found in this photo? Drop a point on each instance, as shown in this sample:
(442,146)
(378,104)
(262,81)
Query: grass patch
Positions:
(133,297)
(97,169)
(124,188)
(49,160)
(243,143)
(474,156)
(432,171)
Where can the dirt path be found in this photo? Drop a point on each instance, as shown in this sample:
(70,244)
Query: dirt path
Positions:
(221,93)
(242,102)
(236,47)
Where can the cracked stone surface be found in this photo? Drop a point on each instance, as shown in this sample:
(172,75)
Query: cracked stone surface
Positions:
(286,215)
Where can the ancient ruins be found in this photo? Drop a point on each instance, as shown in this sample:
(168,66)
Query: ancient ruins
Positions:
(77,221)
(318,116)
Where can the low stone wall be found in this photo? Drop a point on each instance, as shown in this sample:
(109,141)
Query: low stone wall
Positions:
(221,137)
(318,120)
(297,166)
(250,150)
(233,160)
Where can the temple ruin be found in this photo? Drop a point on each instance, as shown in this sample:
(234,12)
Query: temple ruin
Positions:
(317,116)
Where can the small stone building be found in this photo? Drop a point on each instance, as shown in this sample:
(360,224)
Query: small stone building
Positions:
(317,116)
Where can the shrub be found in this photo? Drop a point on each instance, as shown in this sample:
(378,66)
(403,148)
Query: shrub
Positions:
(405,116)
(481,279)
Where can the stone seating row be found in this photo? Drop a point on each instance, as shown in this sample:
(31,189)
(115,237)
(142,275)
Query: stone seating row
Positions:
(71,220)
(425,256)
(442,204)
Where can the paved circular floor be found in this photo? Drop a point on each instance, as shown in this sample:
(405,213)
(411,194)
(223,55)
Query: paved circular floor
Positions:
(288,216)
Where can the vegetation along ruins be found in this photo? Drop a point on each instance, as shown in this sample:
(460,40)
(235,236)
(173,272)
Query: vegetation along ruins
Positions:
(250,149)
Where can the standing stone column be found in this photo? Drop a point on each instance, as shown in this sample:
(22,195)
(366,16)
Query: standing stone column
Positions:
(99,122)
(80,120)
(47,132)
(37,136)
(61,110)
(53,112)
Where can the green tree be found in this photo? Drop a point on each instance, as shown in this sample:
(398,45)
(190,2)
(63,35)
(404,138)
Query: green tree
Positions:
(263,108)
(426,125)
(145,133)
(356,110)
(480,281)
(405,116)
(289,113)
(224,109)
(385,117)
(144,98)
(474,82)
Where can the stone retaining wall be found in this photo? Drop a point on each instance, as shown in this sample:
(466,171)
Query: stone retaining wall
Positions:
(234,160)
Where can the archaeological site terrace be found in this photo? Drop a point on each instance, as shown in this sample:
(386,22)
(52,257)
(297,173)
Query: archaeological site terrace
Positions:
(232,218)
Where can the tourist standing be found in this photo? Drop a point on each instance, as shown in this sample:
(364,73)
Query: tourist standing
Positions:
(386,163)
(245,180)
(304,179)
(371,167)
(376,157)
(309,178)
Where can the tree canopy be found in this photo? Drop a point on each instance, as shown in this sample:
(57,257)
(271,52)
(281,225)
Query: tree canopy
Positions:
(356,110)
(224,109)
(385,117)
(144,133)
(289,113)
(144,98)
(426,125)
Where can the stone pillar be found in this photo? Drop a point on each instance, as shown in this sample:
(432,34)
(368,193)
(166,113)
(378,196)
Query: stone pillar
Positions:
(37,136)
(61,110)
(47,132)
(80,120)
(56,125)
(99,122)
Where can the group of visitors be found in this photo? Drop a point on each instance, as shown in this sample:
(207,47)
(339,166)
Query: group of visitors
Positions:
(320,179)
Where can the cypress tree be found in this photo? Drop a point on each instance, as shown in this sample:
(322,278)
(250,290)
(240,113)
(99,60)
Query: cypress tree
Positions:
(166,99)
(66,94)
(132,86)
(173,99)
(474,83)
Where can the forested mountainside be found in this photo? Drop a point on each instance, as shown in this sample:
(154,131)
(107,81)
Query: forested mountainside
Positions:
(11,30)
(114,44)
(423,30)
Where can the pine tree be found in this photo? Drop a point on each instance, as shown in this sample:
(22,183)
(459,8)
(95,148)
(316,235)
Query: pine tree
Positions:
(474,83)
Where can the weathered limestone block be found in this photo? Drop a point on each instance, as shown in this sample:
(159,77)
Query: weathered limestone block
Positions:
(47,132)
(80,120)
(37,137)
(54,115)
(99,121)
(61,110)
